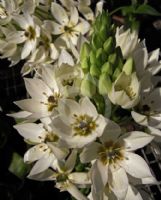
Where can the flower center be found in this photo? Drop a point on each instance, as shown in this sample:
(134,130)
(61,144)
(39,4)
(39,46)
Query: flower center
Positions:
(51,137)
(53,101)
(3,13)
(66,82)
(62,177)
(111,153)
(30,33)
(130,92)
(83,125)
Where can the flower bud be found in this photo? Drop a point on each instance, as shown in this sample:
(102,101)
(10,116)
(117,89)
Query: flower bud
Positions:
(84,57)
(104,84)
(92,57)
(128,66)
(109,45)
(88,86)
(107,68)
(100,103)
(116,73)
(95,71)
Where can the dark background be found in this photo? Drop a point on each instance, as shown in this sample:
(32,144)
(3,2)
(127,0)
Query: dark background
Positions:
(12,88)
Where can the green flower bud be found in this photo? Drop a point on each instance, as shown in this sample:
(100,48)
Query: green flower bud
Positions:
(95,71)
(107,68)
(84,51)
(85,65)
(92,57)
(96,42)
(128,66)
(116,73)
(109,45)
(104,84)
(88,86)
(112,58)
(100,103)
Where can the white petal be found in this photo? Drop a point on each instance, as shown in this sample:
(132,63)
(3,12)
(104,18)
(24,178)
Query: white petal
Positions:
(37,89)
(20,115)
(59,153)
(60,127)
(133,194)
(68,108)
(26,50)
(135,166)
(135,140)
(87,107)
(83,27)
(90,152)
(33,106)
(32,132)
(86,12)
(41,165)
(59,13)
(21,21)
(67,3)
(111,132)
(141,59)
(119,184)
(74,17)
(101,125)
(18,37)
(49,78)
(65,58)
(46,175)
(70,162)
(99,176)
(36,153)
(79,178)
(53,27)
(73,190)
(139,118)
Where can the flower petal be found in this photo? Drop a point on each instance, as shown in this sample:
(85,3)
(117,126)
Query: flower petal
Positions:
(37,89)
(65,58)
(35,153)
(30,131)
(87,107)
(81,178)
(119,183)
(83,27)
(41,165)
(135,165)
(70,162)
(135,140)
(133,194)
(111,132)
(99,176)
(73,190)
(90,152)
(53,27)
(59,13)
(73,16)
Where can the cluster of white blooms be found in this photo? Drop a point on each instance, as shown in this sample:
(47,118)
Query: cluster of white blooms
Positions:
(94,98)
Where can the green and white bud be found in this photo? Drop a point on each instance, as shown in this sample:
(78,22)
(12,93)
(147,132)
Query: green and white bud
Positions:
(104,84)
(88,86)
(95,71)
(128,66)
(107,68)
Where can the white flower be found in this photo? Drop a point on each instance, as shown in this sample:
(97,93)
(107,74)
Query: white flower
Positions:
(146,62)
(125,91)
(114,158)
(8,8)
(47,146)
(28,35)
(69,79)
(68,27)
(66,179)
(127,40)
(78,123)
(45,95)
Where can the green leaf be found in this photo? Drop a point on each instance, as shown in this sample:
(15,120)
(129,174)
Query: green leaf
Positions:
(148,10)
(17,166)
